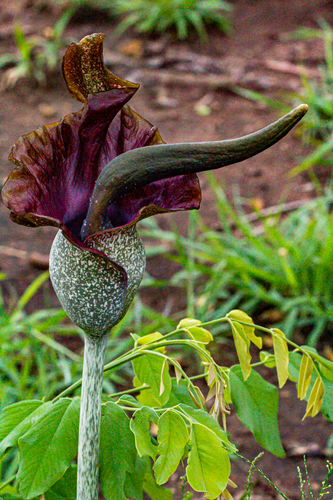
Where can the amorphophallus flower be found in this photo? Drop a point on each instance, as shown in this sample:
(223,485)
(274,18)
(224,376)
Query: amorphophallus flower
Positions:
(94,175)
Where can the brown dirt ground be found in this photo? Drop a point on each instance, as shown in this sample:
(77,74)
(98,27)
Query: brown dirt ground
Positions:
(173,80)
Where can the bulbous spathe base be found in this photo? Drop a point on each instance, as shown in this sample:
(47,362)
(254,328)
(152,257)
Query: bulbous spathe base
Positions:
(96,292)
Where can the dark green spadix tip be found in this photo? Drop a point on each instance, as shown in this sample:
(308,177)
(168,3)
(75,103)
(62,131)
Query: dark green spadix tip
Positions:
(142,166)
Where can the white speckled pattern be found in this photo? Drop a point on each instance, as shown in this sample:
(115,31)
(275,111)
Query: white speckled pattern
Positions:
(90,418)
(93,291)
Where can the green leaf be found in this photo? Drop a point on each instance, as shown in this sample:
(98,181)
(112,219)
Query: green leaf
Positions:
(195,331)
(148,369)
(281,353)
(242,344)
(48,448)
(304,377)
(199,334)
(117,451)
(248,330)
(140,426)
(17,419)
(8,496)
(315,399)
(256,404)
(268,359)
(153,490)
(128,400)
(187,323)
(172,438)
(146,396)
(14,414)
(295,359)
(151,337)
(325,366)
(208,466)
(133,487)
(327,406)
(202,417)
(179,394)
(65,489)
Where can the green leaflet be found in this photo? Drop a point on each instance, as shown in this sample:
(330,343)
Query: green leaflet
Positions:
(172,438)
(14,414)
(188,323)
(208,466)
(146,397)
(153,490)
(304,376)
(315,399)
(151,337)
(256,404)
(179,393)
(65,489)
(48,448)
(117,451)
(202,417)
(327,406)
(17,419)
(195,331)
(148,368)
(236,314)
(8,496)
(268,359)
(281,353)
(323,402)
(134,480)
(325,366)
(242,344)
(127,398)
(140,425)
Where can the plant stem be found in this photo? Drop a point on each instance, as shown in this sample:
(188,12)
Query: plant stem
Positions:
(90,418)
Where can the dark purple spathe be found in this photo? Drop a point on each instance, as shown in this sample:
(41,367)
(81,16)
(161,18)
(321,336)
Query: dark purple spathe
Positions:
(57,165)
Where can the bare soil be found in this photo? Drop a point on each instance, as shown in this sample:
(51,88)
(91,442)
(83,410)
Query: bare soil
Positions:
(176,78)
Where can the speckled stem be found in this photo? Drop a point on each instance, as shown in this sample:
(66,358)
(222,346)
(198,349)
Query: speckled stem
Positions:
(90,418)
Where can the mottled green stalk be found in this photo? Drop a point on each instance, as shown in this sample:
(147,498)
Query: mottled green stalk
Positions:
(90,418)
(95,292)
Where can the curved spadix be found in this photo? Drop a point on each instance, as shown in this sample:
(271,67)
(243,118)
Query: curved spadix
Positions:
(139,167)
